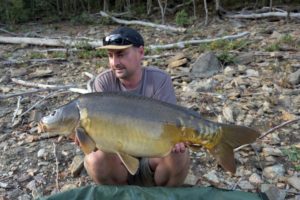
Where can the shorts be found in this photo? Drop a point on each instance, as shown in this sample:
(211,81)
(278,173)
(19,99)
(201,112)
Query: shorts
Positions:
(144,176)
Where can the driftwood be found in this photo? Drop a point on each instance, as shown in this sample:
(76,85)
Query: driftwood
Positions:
(183,43)
(33,61)
(159,26)
(42,88)
(74,42)
(265,15)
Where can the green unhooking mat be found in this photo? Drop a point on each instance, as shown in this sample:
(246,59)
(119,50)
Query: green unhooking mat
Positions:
(93,192)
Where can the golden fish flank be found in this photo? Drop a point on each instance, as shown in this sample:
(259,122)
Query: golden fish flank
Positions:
(133,126)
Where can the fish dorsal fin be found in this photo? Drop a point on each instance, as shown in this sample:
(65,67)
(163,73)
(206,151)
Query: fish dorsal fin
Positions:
(87,145)
(131,163)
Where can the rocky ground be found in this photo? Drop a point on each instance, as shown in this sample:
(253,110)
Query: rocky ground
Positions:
(257,84)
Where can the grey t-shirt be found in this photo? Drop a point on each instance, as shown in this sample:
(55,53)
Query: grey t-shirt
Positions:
(155,84)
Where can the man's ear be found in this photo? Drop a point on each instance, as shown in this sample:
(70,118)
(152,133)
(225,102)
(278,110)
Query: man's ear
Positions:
(141,51)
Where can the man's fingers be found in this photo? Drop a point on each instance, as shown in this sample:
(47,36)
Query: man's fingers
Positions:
(179,148)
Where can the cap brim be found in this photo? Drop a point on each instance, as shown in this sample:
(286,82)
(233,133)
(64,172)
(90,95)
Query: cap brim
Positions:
(115,47)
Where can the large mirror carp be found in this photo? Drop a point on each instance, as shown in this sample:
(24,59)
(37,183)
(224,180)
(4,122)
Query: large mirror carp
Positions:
(135,126)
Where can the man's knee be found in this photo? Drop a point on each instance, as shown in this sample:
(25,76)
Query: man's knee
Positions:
(172,170)
(105,168)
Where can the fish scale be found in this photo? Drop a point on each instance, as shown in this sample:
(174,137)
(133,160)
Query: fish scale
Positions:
(135,126)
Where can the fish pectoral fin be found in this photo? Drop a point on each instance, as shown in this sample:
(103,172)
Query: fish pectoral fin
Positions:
(87,145)
(131,163)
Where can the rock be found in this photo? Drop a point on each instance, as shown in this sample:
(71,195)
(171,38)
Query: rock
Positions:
(41,153)
(294,78)
(190,179)
(245,58)
(68,186)
(269,151)
(41,73)
(273,192)
(31,185)
(18,72)
(206,65)
(229,71)
(255,179)
(245,185)
(76,165)
(177,63)
(252,72)
(294,181)
(276,35)
(212,177)
(228,113)
(177,60)
(205,85)
(273,172)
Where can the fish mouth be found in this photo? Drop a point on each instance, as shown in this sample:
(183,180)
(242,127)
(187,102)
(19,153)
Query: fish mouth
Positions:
(41,127)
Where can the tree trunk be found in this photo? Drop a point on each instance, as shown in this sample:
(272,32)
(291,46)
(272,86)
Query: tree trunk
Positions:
(206,12)
(162,6)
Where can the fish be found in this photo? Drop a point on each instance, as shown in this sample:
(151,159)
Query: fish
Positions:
(134,126)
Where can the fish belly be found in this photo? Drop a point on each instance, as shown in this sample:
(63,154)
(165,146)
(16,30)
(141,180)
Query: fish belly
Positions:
(135,137)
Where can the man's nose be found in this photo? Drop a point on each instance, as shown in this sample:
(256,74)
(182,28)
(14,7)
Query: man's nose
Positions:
(115,60)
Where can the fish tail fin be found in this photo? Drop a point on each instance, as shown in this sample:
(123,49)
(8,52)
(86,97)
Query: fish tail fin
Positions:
(232,136)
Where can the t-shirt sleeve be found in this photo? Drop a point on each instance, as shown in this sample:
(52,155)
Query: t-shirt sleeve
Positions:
(164,90)
(104,82)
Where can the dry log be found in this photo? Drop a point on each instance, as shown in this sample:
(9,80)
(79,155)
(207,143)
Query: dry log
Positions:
(265,15)
(159,26)
(183,43)
(51,42)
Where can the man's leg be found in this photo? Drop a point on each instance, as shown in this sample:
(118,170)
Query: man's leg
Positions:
(105,168)
(172,169)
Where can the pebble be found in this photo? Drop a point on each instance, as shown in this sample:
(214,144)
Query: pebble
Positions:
(269,151)
(273,172)
(212,177)
(255,179)
(245,185)
(41,153)
(294,181)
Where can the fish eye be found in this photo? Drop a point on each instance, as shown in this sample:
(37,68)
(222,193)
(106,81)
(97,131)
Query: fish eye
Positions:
(53,113)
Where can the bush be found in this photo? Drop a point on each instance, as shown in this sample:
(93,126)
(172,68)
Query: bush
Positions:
(181,18)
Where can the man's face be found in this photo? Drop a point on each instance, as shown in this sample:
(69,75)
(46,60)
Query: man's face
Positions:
(126,62)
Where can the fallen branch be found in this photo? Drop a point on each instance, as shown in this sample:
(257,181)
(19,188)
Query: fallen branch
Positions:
(44,87)
(72,42)
(56,164)
(39,85)
(265,15)
(17,109)
(32,92)
(34,61)
(189,42)
(159,26)
(270,131)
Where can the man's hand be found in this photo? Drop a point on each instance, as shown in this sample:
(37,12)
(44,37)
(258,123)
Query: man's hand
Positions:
(179,147)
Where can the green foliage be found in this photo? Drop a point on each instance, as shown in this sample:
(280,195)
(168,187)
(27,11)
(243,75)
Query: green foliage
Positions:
(226,58)
(57,54)
(292,153)
(13,11)
(36,55)
(287,39)
(273,47)
(88,54)
(83,18)
(228,45)
(182,18)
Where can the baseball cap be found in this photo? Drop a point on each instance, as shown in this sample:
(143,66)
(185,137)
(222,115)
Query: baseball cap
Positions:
(122,38)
